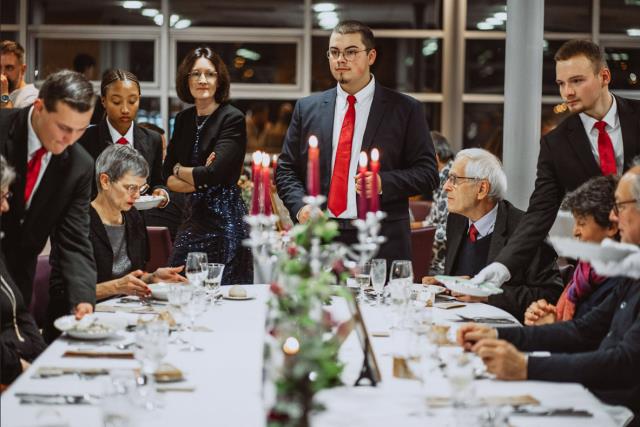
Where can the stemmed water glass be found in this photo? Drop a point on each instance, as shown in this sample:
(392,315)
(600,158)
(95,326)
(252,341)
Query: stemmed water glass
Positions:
(378,276)
(152,340)
(178,297)
(195,267)
(363,276)
(400,284)
(192,309)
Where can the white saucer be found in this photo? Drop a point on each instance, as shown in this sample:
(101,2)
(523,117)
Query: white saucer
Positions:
(148,202)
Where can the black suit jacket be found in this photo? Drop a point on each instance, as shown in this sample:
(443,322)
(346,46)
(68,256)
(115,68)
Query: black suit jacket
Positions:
(539,279)
(224,132)
(59,209)
(600,350)
(147,142)
(564,163)
(396,125)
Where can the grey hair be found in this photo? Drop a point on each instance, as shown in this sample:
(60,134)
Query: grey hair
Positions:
(7,173)
(118,160)
(482,164)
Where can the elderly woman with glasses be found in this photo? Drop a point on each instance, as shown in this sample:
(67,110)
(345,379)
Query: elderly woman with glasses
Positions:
(118,233)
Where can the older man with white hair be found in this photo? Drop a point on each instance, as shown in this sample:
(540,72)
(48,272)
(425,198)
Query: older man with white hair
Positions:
(480,224)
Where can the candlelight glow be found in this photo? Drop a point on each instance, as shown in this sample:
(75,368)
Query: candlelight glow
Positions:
(313,141)
(265,160)
(291,346)
(257,157)
(363,159)
(375,155)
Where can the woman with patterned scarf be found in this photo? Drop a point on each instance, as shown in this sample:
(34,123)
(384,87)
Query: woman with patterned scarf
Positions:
(590,205)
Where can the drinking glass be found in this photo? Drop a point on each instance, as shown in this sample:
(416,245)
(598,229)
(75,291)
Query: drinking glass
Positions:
(213,278)
(177,295)
(195,267)
(192,309)
(152,340)
(378,276)
(459,372)
(117,398)
(363,276)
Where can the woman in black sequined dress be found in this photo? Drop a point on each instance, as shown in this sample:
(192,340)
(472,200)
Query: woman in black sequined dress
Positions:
(204,159)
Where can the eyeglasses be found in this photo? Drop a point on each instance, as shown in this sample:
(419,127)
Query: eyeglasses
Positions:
(6,196)
(453,179)
(132,189)
(349,54)
(209,75)
(619,206)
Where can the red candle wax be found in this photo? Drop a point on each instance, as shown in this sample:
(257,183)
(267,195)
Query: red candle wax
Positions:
(362,198)
(255,177)
(266,184)
(313,167)
(374,203)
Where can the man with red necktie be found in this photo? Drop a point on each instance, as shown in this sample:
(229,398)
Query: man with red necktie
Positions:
(52,190)
(602,137)
(359,114)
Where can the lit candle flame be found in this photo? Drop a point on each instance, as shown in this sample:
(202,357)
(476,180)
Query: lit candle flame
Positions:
(265,160)
(363,159)
(313,141)
(291,346)
(257,157)
(375,155)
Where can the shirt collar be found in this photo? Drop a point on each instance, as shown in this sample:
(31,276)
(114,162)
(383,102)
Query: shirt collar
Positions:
(362,95)
(115,135)
(486,224)
(611,118)
(33,142)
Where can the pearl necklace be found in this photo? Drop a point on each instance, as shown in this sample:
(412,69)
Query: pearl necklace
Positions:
(12,298)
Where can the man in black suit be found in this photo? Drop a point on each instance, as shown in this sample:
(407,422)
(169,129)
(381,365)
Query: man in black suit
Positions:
(480,224)
(51,190)
(359,115)
(601,350)
(600,138)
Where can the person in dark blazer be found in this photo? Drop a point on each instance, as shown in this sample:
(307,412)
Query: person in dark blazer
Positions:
(601,350)
(359,114)
(204,160)
(575,151)
(20,340)
(120,91)
(480,224)
(52,190)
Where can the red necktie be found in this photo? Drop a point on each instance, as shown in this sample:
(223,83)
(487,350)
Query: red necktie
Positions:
(339,184)
(605,150)
(33,170)
(473,233)
(122,141)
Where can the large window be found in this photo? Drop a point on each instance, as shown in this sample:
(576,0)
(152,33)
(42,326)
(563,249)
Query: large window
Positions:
(97,12)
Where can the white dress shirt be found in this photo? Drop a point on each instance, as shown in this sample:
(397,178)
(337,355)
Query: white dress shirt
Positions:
(614,130)
(34,145)
(115,135)
(487,223)
(364,99)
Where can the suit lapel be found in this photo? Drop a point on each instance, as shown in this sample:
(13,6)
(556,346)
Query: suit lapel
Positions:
(139,139)
(580,143)
(376,114)
(498,238)
(458,226)
(630,131)
(325,138)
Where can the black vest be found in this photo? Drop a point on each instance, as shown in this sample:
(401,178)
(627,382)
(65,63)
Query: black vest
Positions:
(472,256)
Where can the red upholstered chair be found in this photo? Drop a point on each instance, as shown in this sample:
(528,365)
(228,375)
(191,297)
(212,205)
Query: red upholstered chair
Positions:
(160,246)
(40,293)
(422,251)
(420,209)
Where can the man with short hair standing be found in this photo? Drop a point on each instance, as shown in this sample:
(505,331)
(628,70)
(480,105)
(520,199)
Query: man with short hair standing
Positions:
(51,192)
(358,115)
(14,91)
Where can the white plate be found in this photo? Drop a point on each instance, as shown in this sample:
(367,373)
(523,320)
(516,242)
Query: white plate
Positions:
(238,298)
(68,325)
(148,202)
(588,251)
(431,288)
(464,286)
(160,290)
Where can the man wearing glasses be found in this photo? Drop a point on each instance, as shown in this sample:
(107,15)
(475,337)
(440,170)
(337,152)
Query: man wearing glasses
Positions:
(52,189)
(480,224)
(358,115)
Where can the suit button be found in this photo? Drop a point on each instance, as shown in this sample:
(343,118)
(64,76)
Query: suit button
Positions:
(623,305)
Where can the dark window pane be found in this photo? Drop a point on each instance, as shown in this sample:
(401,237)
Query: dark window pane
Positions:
(9,12)
(624,63)
(149,111)
(240,13)
(433,112)
(551,116)
(567,16)
(96,12)
(549,86)
(419,14)
(9,35)
(252,62)
(135,56)
(483,127)
(406,65)
(484,70)
(489,15)
(619,16)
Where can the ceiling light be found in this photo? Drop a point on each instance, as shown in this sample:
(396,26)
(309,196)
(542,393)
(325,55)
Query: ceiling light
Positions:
(158,19)
(173,19)
(182,24)
(500,15)
(494,21)
(484,26)
(633,32)
(324,7)
(132,4)
(150,12)
(248,54)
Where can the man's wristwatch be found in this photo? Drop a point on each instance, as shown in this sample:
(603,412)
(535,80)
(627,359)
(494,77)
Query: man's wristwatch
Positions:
(4,99)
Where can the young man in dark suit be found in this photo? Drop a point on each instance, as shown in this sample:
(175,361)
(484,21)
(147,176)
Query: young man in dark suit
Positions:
(601,350)
(51,190)
(359,115)
(480,224)
(600,138)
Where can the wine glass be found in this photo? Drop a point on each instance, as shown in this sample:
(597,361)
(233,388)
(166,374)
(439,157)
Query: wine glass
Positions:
(378,276)
(192,309)
(152,340)
(194,268)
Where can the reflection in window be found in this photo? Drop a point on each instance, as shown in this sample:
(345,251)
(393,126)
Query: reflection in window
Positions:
(134,56)
(483,127)
(240,13)
(273,63)
(620,16)
(484,71)
(406,65)
(624,63)
(8,35)
(83,12)
(405,14)
(9,12)
(551,116)
(486,15)
(567,16)
(149,111)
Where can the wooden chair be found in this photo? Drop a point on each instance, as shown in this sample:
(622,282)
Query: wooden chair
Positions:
(160,246)
(40,292)
(422,251)
(420,209)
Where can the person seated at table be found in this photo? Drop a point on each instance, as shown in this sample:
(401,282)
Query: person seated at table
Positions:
(117,230)
(601,350)
(479,225)
(20,340)
(590,205)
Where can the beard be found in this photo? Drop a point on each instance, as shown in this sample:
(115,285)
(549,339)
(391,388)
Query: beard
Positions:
(12,85)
